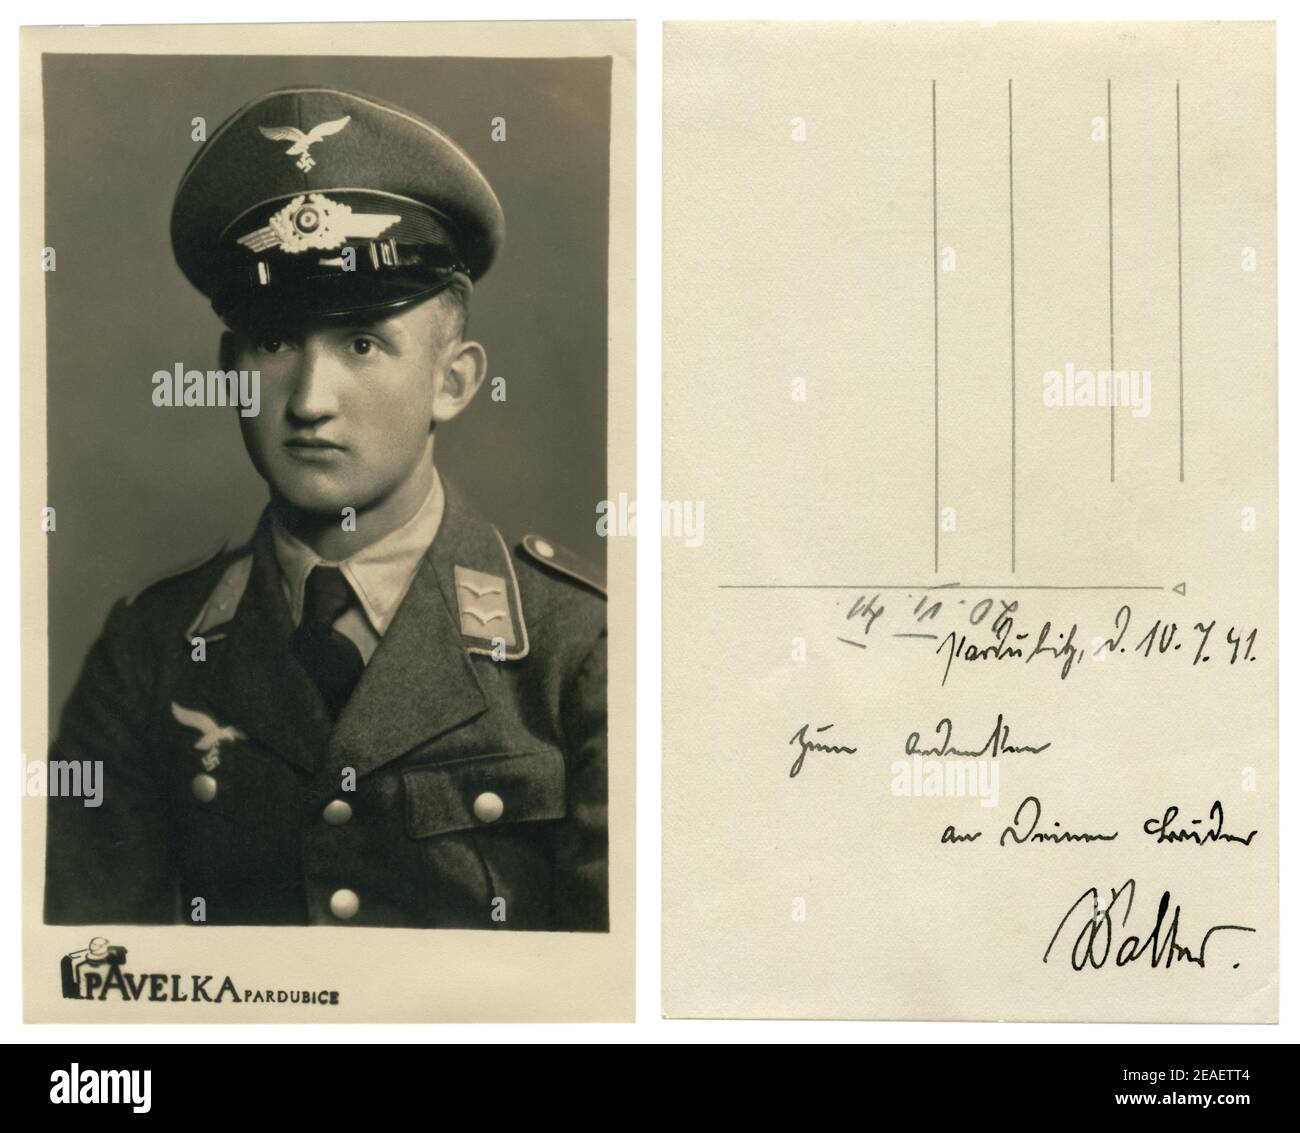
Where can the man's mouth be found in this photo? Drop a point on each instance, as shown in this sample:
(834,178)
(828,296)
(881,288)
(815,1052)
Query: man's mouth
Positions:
(313,443)
(313,450)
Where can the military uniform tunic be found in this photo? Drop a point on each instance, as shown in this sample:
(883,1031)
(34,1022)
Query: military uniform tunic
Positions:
(463,785)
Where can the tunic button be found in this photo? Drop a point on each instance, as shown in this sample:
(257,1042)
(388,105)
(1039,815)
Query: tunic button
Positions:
(344,904)
(337,812)
(488,807)
(204,787)
(543,548)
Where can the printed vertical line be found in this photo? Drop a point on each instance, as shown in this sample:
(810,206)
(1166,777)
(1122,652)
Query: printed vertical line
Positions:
(1178,149)
(934,173)
(1011,210)
(1110,227)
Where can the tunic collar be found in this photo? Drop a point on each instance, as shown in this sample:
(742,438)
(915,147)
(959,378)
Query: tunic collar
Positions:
(379,573)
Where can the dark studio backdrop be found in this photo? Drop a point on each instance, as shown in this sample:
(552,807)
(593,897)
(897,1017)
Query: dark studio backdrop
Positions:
(139,489)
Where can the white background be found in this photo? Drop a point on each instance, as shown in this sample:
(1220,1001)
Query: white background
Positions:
(650,1027)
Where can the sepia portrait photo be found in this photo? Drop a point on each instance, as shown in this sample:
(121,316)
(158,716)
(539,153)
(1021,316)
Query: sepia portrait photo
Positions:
(334,398)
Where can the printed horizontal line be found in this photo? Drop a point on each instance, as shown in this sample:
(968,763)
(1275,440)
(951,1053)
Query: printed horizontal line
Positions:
(921,586)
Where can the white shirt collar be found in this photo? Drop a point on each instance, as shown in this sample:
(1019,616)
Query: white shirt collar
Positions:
(380,573)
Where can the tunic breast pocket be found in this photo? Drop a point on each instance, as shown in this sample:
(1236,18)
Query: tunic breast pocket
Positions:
(484,791)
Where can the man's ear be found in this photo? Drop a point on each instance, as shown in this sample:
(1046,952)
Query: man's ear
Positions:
(227,351)
(461,377)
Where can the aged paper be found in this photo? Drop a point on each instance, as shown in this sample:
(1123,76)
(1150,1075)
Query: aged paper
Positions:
(970,670)
(518,97)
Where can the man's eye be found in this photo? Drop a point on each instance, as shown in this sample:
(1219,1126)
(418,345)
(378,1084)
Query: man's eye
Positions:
(362,345)
(270,345)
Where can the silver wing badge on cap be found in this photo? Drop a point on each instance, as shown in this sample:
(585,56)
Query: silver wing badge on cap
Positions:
(314,221)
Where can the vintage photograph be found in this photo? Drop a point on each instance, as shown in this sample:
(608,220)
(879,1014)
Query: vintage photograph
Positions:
(326,417)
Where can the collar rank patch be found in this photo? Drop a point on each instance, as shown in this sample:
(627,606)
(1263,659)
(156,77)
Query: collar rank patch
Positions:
(484,606)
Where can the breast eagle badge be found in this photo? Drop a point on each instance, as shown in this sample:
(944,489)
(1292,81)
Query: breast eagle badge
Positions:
(313,221)
(302,143)
(211,734)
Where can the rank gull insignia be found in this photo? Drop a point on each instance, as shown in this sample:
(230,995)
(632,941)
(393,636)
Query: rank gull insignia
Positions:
(483,603)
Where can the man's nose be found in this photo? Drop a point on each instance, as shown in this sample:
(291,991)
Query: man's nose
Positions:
(315,385)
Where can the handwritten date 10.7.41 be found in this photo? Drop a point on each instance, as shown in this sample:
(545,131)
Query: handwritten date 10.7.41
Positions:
(959,630)
(1204,641)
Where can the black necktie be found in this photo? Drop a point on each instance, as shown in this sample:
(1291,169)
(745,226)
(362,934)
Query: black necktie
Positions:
(331,659)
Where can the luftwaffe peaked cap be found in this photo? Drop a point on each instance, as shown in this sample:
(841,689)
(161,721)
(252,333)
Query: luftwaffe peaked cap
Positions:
(325,202)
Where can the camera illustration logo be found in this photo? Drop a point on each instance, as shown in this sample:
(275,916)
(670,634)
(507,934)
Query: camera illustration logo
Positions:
(88,967)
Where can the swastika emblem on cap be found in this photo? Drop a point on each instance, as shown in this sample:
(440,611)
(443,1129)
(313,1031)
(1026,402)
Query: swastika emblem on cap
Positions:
(302,143)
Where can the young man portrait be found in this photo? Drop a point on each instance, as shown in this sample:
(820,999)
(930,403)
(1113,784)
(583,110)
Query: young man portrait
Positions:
(378,710)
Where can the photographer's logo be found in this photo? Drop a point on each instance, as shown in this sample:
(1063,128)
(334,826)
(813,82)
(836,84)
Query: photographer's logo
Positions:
(88,969)
(98,972)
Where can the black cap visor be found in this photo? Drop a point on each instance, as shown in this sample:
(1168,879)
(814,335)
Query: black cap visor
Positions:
(331,296)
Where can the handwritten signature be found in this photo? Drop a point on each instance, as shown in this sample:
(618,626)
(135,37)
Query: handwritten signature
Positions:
(1096,936)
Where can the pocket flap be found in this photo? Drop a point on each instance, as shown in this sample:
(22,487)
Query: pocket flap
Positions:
(484,791)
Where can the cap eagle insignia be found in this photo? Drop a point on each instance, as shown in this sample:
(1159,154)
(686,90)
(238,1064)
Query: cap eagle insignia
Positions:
(303,142)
